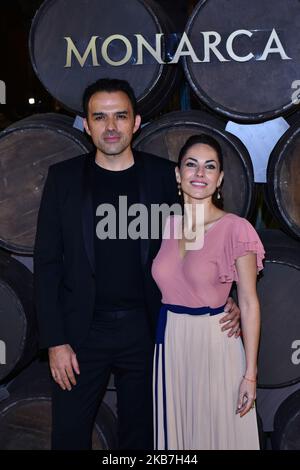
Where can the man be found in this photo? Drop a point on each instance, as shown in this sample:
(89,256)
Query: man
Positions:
(96,300)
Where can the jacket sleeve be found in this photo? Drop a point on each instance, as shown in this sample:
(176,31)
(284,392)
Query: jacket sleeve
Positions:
(48,267)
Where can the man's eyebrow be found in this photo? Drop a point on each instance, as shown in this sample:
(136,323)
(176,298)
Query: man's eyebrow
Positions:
(100,113)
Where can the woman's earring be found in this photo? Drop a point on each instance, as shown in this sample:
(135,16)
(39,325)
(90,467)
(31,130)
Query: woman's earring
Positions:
(218,193)
(179,189)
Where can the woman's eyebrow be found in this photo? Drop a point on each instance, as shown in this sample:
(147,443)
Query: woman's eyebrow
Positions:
(206,161)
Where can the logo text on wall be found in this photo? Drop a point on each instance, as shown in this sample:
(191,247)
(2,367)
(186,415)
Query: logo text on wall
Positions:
(212,42)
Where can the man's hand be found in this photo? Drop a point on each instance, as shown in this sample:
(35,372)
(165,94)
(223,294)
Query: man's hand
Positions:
(232,319)
(63,363)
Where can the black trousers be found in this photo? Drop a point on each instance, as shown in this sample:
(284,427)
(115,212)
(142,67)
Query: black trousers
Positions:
(118,342)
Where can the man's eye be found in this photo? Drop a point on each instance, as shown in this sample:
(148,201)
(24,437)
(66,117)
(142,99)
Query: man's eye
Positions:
(99,118)
(122,116)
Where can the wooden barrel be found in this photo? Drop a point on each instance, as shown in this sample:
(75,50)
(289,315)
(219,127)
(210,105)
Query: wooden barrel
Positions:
(246,57)
(286,434)
(278,287)
(27,149)
(25,419)
(283,181)
(18,332)
(107,32)
(165,136)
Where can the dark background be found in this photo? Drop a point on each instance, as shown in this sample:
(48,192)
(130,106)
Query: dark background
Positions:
(16,70)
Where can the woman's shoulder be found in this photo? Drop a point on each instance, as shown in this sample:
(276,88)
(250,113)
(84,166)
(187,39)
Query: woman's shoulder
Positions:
(240,230)
(237,220)
(238,226)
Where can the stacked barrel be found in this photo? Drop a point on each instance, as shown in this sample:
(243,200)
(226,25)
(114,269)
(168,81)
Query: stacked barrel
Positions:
(233,63)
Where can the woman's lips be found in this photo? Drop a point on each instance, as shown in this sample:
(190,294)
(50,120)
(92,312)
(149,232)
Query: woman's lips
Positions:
(199,184)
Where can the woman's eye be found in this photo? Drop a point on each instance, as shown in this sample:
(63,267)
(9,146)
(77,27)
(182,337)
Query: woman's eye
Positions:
(190,164)
(210,167)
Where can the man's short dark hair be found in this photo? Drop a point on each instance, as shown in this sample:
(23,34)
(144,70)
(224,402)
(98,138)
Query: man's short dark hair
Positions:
(108,85)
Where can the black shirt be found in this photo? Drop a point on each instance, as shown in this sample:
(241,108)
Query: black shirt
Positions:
(118,261)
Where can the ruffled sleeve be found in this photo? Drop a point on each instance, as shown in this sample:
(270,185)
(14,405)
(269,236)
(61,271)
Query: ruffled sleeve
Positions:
(243,239)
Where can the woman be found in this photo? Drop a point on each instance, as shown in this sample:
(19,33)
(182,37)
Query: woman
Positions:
(205,382)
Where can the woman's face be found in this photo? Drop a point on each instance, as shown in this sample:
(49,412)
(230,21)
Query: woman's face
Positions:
(199,173)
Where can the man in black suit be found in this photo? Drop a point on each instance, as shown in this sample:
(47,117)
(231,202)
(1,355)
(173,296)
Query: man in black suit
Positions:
(96,300)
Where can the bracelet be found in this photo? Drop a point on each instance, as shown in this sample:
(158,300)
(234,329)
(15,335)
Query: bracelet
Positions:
(250,380)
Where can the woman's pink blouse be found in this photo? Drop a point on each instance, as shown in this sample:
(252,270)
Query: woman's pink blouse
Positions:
(203,277)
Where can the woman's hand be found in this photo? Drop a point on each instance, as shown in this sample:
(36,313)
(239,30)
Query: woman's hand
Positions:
(247,395)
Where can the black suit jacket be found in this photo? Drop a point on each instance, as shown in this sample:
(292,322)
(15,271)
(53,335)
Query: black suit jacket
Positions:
(64,255)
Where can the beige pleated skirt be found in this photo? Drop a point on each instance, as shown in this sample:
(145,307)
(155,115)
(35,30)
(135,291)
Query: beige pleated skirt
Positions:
(197,373)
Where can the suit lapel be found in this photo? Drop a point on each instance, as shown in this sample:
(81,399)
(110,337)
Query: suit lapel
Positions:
(88,216)
(144,198)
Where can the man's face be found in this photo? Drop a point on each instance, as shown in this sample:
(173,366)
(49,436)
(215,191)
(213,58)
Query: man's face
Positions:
(111,122)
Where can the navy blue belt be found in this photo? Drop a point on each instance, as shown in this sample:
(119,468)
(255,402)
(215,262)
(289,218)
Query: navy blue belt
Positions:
(160,351)
(162,320)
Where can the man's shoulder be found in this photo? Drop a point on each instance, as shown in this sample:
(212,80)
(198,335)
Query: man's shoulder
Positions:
(155,161)
(72,165)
